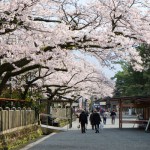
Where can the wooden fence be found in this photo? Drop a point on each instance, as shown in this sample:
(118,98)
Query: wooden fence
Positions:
(10,119)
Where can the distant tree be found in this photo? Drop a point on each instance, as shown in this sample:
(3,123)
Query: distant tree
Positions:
(134,83)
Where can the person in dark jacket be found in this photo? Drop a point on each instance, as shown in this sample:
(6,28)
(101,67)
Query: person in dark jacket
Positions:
(96,121)
(83,121)
(113,116)
(91,120)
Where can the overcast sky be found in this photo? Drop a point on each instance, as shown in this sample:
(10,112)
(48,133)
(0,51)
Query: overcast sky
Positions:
(108,72)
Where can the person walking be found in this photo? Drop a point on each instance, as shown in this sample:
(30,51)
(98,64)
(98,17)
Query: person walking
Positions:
(113,116)
(83,121)
(105,115)
(96,121)
(87,114)
(91,120)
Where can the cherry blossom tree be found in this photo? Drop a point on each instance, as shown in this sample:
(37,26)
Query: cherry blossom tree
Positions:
(84,79)
(81,78)
(39,33)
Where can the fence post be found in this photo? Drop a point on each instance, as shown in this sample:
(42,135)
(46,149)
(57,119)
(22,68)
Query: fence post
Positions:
(20,114)
(14,117)
(1,124)
(24,116)
(29,115)
(8,118)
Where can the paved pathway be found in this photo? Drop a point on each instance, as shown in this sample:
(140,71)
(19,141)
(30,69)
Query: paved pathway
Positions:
(110,137)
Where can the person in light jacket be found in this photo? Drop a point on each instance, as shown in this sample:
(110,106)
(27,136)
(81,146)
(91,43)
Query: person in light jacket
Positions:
(105,115)
(113,116)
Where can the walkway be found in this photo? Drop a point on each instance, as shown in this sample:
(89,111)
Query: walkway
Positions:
(109,138)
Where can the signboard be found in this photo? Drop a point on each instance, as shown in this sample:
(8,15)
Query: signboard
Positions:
(102,103)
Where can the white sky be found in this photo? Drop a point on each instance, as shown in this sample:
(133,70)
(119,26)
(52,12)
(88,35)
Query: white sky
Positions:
(108,72)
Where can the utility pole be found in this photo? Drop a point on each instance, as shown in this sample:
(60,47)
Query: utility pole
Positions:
(70,123)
